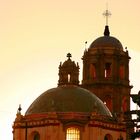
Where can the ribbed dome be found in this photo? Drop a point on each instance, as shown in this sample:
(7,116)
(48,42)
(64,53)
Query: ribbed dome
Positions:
(68,99)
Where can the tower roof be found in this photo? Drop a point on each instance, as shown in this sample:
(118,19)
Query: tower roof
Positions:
(69,62)
(106,41)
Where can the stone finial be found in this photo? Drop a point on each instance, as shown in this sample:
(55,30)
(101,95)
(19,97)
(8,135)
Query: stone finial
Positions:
(69,55)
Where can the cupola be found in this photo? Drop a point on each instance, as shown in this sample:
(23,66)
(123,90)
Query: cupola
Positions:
(68,72)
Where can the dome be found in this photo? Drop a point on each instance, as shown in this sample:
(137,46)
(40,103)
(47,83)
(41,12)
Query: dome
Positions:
(69,63)
(106,41)
(68,99)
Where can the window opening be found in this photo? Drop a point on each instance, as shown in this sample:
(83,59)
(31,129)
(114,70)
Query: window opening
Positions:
(107,70)
(108,137)
(109,103)
(122,72)
(92,71)
(36,136)
(73,133)
(69,78)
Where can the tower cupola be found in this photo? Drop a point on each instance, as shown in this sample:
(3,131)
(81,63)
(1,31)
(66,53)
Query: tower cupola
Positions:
(106,61)
(68,72)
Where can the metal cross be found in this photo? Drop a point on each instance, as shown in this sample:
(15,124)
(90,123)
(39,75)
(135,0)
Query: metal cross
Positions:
(107,14)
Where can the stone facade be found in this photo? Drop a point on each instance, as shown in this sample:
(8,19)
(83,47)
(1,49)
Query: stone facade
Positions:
(52,126)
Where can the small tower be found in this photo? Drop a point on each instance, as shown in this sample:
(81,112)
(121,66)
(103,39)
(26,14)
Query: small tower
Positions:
(68,72)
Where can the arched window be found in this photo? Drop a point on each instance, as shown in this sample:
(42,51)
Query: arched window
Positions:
(107,72)
(122,72)
(108,137)
(92,71)
(36,136)
(69,78)
(72,133)
(124,104)
(108,101)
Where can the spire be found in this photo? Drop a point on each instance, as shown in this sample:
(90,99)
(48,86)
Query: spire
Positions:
(107,14)
(19,109)
(106,31)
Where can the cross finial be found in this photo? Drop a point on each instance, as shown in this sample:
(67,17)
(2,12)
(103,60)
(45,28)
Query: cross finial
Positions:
(107,14)
(69,55)
(19,109)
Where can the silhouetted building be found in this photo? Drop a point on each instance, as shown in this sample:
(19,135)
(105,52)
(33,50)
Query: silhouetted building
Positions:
(91,110)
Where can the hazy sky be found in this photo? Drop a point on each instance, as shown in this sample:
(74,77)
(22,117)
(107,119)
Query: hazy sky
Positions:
(35,35)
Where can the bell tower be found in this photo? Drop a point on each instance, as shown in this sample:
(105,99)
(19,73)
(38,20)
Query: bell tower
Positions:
(106,72)
(68,72)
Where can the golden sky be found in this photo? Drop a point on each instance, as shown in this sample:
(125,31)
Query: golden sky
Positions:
(35,35)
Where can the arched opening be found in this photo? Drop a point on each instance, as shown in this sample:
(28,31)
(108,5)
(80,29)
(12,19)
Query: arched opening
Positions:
(108,102)
(72,133)
(108,137)
(93,71)
(107,72)
(124,104)
(35,136)
(69,78)
(122,72)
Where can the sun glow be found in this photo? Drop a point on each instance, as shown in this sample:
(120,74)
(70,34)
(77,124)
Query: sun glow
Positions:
(35,36)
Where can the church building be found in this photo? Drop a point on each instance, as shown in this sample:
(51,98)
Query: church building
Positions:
(92,110)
